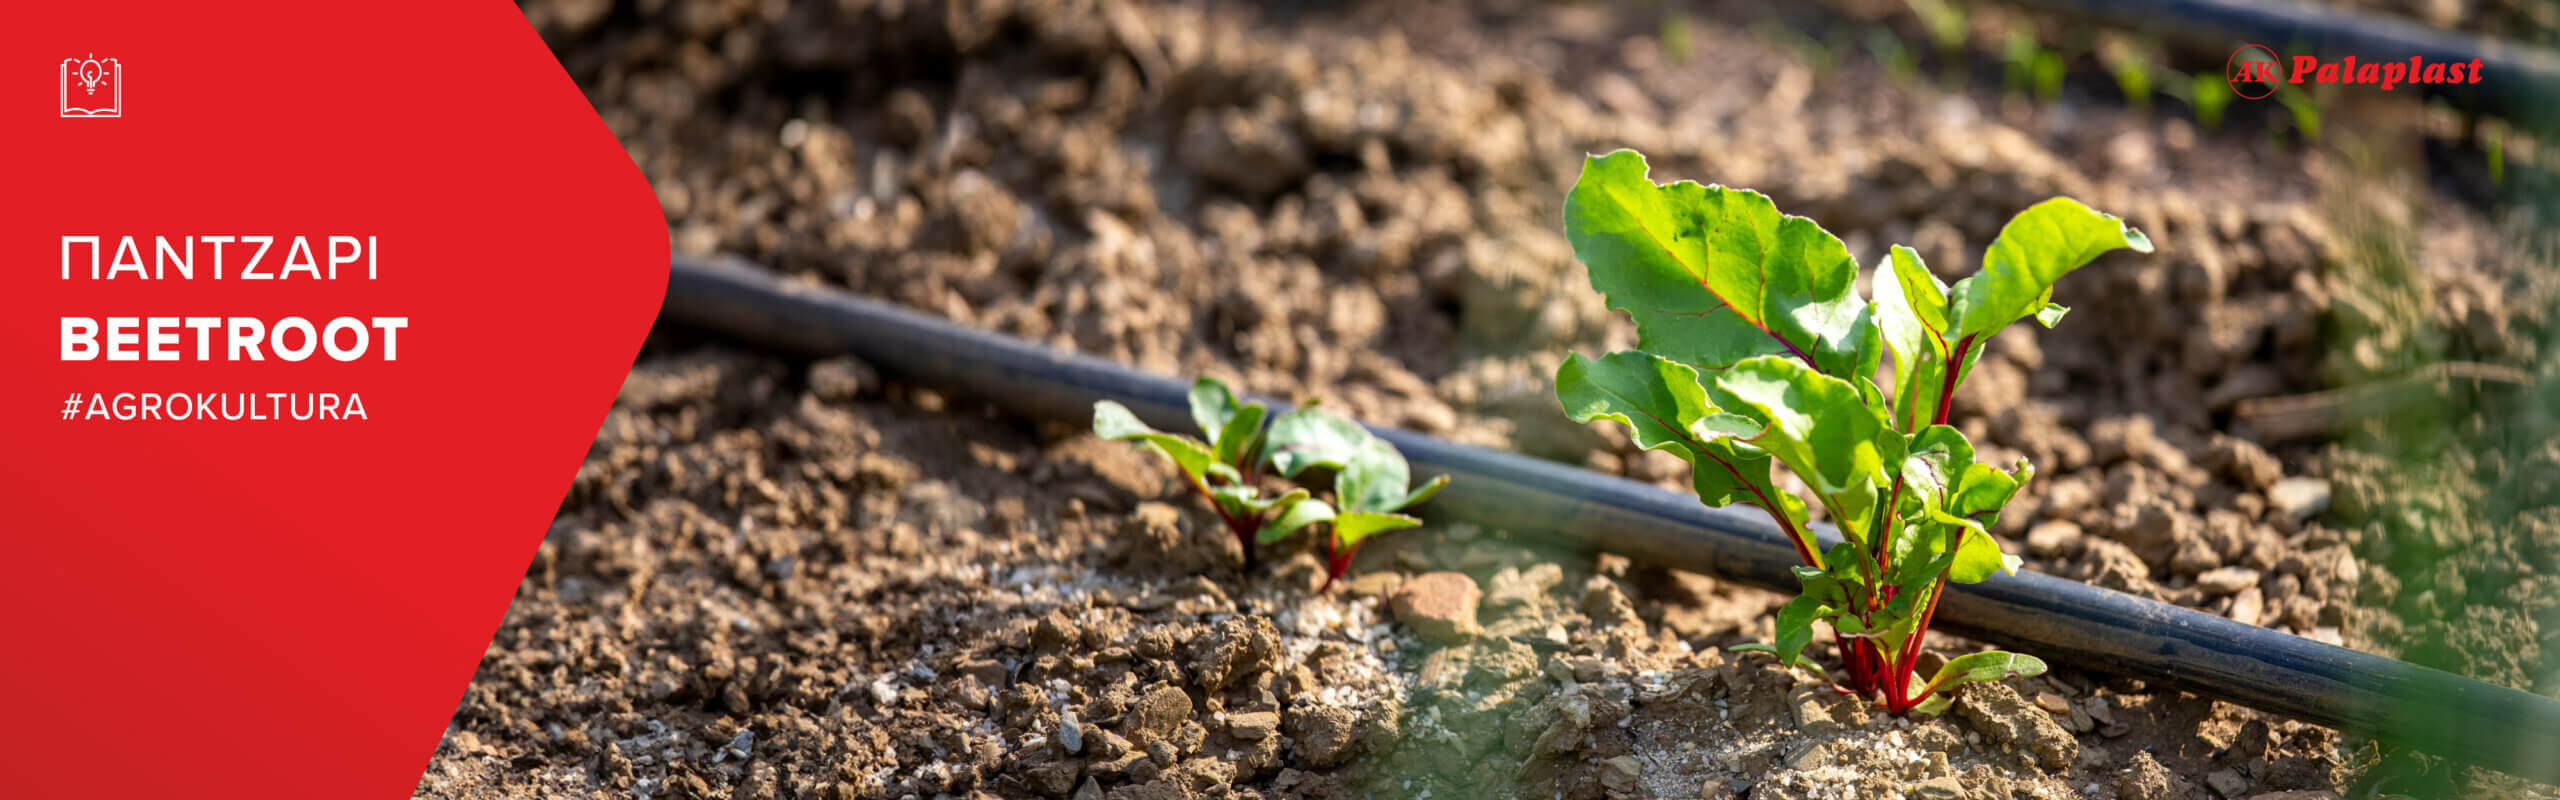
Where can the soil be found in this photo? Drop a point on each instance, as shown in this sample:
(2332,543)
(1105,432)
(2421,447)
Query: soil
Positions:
(788,579)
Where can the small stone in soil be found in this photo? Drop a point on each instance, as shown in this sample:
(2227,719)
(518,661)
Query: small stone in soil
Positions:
(2053,703)
(2227,580)
(1813,756)
(841,378)
(1158,712)
(2143,778)
(2080,722)
(2227,783)
(1513,587)
(2053,538)
(1253,726)
(2299,498)
(1620,773)
(1325,736)
(1441,606)
(2244,461)
(1372,584)
(1998,713)
(2248,607)
(2098,710)
(1234,651)
(740,746)
(2193,555)
(1188,738)
(1813,714)
(1943,787)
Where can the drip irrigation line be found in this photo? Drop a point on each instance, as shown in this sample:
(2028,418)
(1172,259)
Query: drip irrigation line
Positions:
(2098,629)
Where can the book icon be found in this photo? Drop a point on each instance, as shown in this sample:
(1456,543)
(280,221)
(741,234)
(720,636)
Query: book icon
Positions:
(92,87)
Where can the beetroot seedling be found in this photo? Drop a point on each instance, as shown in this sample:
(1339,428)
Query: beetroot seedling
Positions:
(1369,479)
(1755,350)
(1228,470)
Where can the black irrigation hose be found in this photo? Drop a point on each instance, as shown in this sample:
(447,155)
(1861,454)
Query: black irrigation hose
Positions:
(2099,629)
(2517,81)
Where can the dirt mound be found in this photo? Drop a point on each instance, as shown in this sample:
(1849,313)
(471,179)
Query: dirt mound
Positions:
(772,581)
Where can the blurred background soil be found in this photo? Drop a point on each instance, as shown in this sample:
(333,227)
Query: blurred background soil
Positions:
(2318,407)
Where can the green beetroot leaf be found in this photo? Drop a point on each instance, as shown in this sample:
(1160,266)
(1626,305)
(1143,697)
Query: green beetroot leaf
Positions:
(1350,530)
(1713,275)
(1757,350)
(1947,496)
(1242,435)
(1369,475)
(1354,527)
(1926,323)
(1311,437)
(1237,500)
(1985,489)
(2036,248)
(1295,515)
(1248,502)
(1370,479)
(1795,626)
(1822,585)
(1211,468)
(1938,457)
(1662,404)
(1911,307)
(1243,504)
(1941,473)
(1233,429)
(1822,428)
(1377,479)
(1212,406)
(1920,290)
(1985,666)
(1113,421)
(1977,555)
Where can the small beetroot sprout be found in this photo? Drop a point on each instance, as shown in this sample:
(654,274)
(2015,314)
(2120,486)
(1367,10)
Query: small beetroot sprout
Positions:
(1754,349)
(1369,478)
(1228,469)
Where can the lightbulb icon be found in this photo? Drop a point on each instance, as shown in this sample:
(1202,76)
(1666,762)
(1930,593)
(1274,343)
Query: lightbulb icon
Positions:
(91,72)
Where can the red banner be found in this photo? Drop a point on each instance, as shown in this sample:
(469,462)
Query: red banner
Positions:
(308,312)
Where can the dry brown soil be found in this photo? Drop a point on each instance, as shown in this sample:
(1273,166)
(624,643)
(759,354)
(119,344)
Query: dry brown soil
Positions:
(787,579)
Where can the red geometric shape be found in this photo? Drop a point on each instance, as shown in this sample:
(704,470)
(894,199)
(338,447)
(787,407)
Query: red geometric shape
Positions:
(292,609)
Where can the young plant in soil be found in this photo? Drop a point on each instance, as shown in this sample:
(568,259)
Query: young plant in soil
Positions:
(1369,478)
(1369,483)
(1756,348)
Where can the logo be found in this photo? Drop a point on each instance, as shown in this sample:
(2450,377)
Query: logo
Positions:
(2256,71)
(2252,72)
(92,87)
